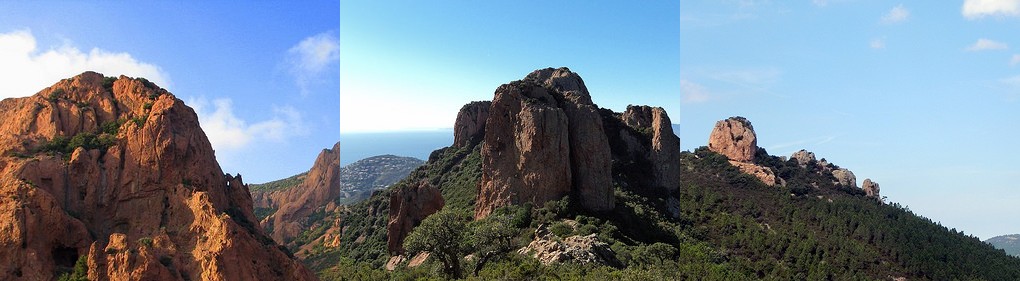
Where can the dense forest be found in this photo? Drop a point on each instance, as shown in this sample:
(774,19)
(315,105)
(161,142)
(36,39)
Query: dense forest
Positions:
(730,227)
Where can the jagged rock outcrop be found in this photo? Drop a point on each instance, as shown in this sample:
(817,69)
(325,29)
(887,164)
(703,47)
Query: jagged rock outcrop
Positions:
(590,157)
(549,249)
(118,172)
(664,153)
(803,157)
(409,205)
(470,125)
(734,138)
(321,186)
(845,177)
(871,189)
(543,140)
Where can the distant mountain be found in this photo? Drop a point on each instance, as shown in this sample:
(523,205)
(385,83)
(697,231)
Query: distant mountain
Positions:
(283,205)
(1009,243)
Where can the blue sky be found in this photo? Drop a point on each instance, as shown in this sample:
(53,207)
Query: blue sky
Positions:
(263,76)
(410,65)
(921,96)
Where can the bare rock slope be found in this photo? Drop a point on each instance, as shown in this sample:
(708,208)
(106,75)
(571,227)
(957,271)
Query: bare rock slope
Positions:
(117,172)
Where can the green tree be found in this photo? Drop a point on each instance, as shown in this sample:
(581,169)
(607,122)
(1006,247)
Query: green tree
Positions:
(492,237)
(443,235)
(79,273)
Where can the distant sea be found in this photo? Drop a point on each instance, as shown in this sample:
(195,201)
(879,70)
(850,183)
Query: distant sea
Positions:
(417,144)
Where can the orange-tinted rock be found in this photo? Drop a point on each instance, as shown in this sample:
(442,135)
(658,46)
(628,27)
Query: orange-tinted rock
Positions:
(765,174)
(154,179)
(409,205)
(734,138)
(470,125)
(321,186)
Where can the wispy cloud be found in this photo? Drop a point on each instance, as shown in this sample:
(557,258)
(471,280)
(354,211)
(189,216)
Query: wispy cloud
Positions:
(750,79)
(797,144)
(877,43)
(227,132)
(896,15)
(975,9)
(693,92)
(1014,60)
(987,44)
(311,57)
(26,68)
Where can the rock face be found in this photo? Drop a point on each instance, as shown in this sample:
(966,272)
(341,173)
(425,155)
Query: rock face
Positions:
(470,125)
(803,157)
(549,249)
(845,177)
(664,153)
(409,205)
(117,171)
(734,138)
(320,186)
(871,189)
(544,140)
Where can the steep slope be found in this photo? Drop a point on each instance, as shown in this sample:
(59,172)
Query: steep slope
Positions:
(117,173)
(356,182)
(1008,243)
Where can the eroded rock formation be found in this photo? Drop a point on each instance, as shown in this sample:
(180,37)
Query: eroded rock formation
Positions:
(803,157)
(549,249)
(543,140)
(320,186)
(845,177)
(470,124)
(664,153)
(735,139)
(871,189)
(118,172)
(409,205)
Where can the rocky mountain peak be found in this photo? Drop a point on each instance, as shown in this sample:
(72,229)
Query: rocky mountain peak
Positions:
(117,171)
(871,189)
(734,138)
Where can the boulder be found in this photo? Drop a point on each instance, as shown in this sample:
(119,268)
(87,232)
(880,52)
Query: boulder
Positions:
(549,249)
(803,157)
(845,177)
(735,139)
(871,189)
(765,174)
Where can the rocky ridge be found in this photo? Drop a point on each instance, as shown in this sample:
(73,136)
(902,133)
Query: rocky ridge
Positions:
(117,172)
(319,188)
(735,139)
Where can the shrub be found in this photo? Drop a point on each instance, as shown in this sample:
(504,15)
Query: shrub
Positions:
(56,95)
(147,241)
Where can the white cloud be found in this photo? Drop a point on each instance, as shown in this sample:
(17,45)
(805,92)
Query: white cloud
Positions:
(975,9)
(693,92)
(986,44)
(877,43)
(1014,60)
(897,14)
(27,69)
(310,58)
(227,132)
(820,3)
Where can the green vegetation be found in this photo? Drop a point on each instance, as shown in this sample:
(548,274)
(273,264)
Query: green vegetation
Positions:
(147,241)
(108,83)
(79,273)
(730,227)
(283,184)
(444,235)
(88,141)
(55,95)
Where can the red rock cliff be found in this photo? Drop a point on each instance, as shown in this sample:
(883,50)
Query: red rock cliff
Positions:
(320,187)
(119,172)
